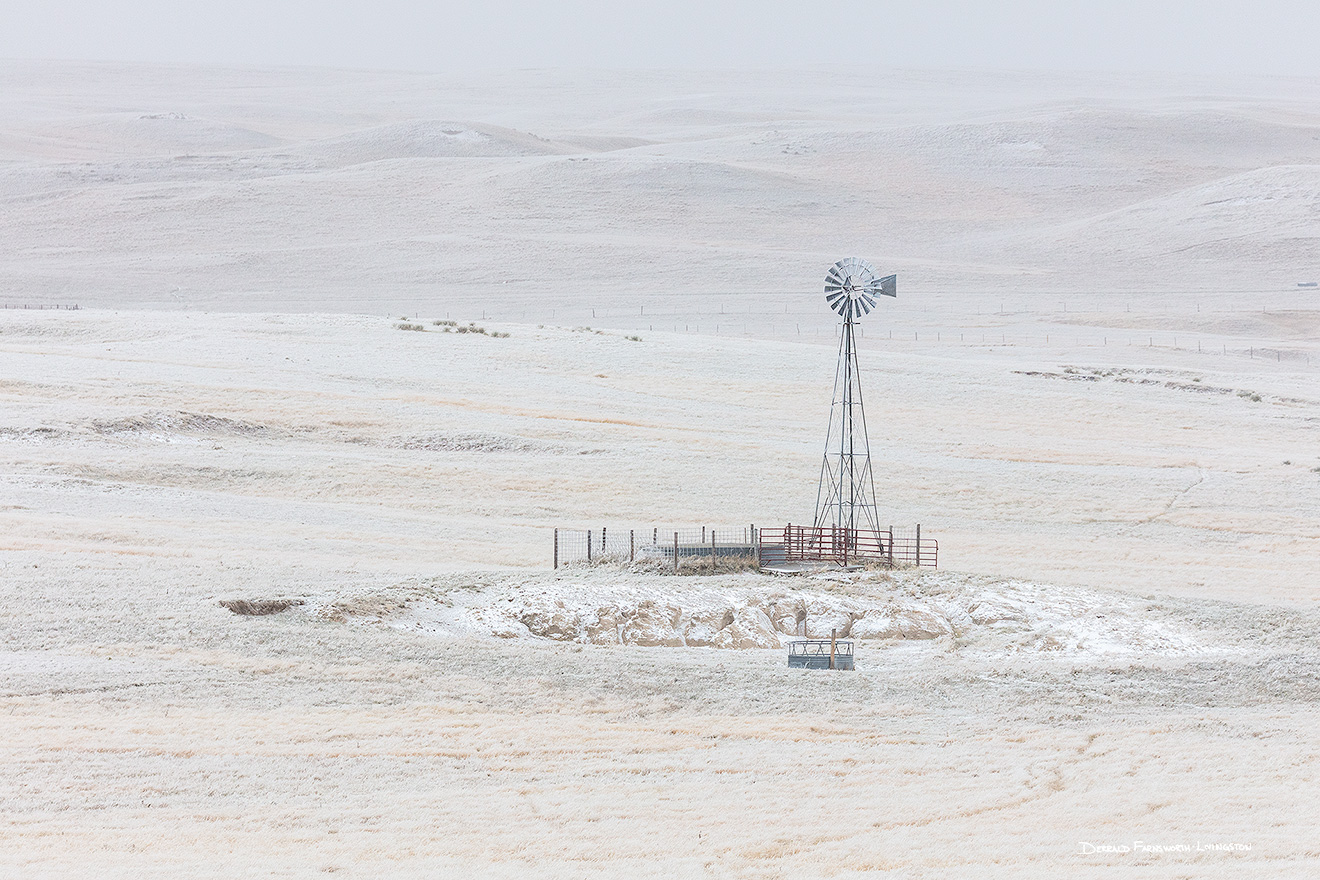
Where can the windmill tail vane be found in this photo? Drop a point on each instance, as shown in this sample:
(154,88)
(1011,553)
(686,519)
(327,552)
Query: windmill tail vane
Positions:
(845,497)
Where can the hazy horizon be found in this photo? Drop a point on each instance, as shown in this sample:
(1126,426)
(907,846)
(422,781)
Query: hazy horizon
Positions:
(1268,38)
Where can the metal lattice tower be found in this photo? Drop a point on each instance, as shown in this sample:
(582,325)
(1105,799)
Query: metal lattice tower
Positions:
(846,496)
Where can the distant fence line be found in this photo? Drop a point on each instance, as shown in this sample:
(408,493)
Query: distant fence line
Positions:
(1047,340)
(1006,338)
(712,549)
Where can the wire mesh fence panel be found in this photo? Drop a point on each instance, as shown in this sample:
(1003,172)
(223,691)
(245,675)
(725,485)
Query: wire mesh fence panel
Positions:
(679,548)
(593,545)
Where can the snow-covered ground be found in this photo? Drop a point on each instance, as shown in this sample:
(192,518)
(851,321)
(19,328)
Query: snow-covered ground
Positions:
(1099,390)
(378,730)
(620,605)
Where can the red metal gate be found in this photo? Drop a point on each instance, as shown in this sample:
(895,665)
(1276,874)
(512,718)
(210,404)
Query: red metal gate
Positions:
(847,546)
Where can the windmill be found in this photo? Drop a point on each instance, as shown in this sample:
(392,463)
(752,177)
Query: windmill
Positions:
(845,499)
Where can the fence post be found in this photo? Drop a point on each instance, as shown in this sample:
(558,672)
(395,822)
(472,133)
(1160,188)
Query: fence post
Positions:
(675,552)
(588,545)
(655,536)
(632,546)
(556,548)
(602,542)
(833,633)
(712,551)
(918,545)
(891,546)
(788,542)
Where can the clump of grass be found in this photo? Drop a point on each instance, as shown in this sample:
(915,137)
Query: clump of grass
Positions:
(633,338)
(697,565)
(410,327)
(473,328)
(259,607)
(444,323)
(651,563)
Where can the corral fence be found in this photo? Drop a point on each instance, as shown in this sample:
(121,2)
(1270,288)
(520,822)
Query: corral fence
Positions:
(41,307)
(711,549)
(889,547)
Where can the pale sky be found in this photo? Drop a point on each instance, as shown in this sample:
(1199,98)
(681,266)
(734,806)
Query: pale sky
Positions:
(1187,36)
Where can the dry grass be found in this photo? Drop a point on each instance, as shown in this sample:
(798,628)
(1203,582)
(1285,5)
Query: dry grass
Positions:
(687,565)
(259,607)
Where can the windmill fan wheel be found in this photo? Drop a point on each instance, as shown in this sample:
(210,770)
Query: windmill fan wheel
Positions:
(852,286)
